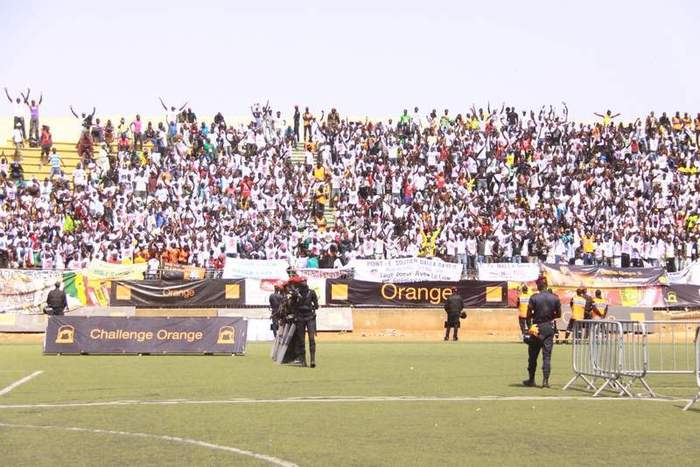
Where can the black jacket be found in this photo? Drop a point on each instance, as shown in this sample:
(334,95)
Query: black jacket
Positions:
(454,304)
(304,303)
(57,301)
(453,307)
(544,307)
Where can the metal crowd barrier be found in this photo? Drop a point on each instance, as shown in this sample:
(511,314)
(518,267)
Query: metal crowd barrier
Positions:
(582,360)
(697,369)
(611,350)
(671,346)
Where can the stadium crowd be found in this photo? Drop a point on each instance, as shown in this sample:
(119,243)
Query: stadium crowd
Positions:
(485,185)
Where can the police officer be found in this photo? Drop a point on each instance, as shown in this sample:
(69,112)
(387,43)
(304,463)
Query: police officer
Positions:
(543,308)
(56,302)
(523,302)
(600,305)
(304,304)
(454,307)
(276,300)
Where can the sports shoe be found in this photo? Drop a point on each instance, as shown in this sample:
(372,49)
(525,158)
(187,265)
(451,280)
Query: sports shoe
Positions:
(529,383)
(545,383)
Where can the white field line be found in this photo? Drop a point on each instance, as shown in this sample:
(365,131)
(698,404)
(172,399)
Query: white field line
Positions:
(324,399)
(174,439)
(19,382)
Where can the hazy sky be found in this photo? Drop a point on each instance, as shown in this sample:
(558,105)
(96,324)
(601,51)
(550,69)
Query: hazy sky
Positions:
(363,57)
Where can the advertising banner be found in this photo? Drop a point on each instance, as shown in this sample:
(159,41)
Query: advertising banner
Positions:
(516,272)
(25,291)
(561,275)
(179,272)
(236,268)
(258,291)
(405,270)
(209,293)
(619,296)
(324,273)
(688,275)
(124,335)
(477,294)
(682,295)
(90,286)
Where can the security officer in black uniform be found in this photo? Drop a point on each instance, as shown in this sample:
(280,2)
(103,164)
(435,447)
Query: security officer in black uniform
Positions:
(276,300)
(454,306)
(56,302)
(304,304)
(543,309)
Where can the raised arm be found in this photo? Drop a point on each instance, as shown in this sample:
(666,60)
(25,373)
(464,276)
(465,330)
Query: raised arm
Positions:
(73,112)
(8,95)
(598,115)
(41,98)
(25,98)
(163,104)
(183,106)
(93,112)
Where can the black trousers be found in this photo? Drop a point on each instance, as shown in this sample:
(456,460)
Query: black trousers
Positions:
(307,131)
(455,331)
(533,352)
(625,261)
(306,325)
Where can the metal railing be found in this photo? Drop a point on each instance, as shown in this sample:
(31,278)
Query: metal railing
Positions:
(582,360)
(671,346)
(697,370)
(611,350)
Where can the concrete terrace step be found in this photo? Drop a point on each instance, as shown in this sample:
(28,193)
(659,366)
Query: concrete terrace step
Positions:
(27,151)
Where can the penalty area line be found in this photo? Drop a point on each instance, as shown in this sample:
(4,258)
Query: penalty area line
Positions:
(331,399)
(175,439)
(19,382)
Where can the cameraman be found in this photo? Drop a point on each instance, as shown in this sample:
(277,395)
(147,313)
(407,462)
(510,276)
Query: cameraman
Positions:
(56,302)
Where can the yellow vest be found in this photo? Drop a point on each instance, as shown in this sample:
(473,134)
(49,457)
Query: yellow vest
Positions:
(524,302)
(578,309)
(601,306)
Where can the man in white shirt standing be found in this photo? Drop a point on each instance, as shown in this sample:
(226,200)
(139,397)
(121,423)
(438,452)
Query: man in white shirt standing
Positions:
(18,112)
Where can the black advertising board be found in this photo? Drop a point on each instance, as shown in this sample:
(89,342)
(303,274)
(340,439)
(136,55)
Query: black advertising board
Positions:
(141,335)
(682,295)
(476,294)
(206,293)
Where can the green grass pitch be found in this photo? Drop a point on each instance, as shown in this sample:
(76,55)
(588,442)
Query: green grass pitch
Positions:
(463,406)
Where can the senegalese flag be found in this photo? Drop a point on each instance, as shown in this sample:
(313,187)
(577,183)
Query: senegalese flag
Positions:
(74,286)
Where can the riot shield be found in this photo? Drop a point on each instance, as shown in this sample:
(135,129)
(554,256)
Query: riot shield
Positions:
(289,330)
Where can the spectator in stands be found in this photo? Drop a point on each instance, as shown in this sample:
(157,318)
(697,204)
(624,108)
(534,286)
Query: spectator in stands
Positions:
(486,184)
(18,140)
(46,142)
(18,112)
(16,172)
(56,163)
(34,118)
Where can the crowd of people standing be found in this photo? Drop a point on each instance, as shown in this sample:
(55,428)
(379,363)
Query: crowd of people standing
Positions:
(484,185)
